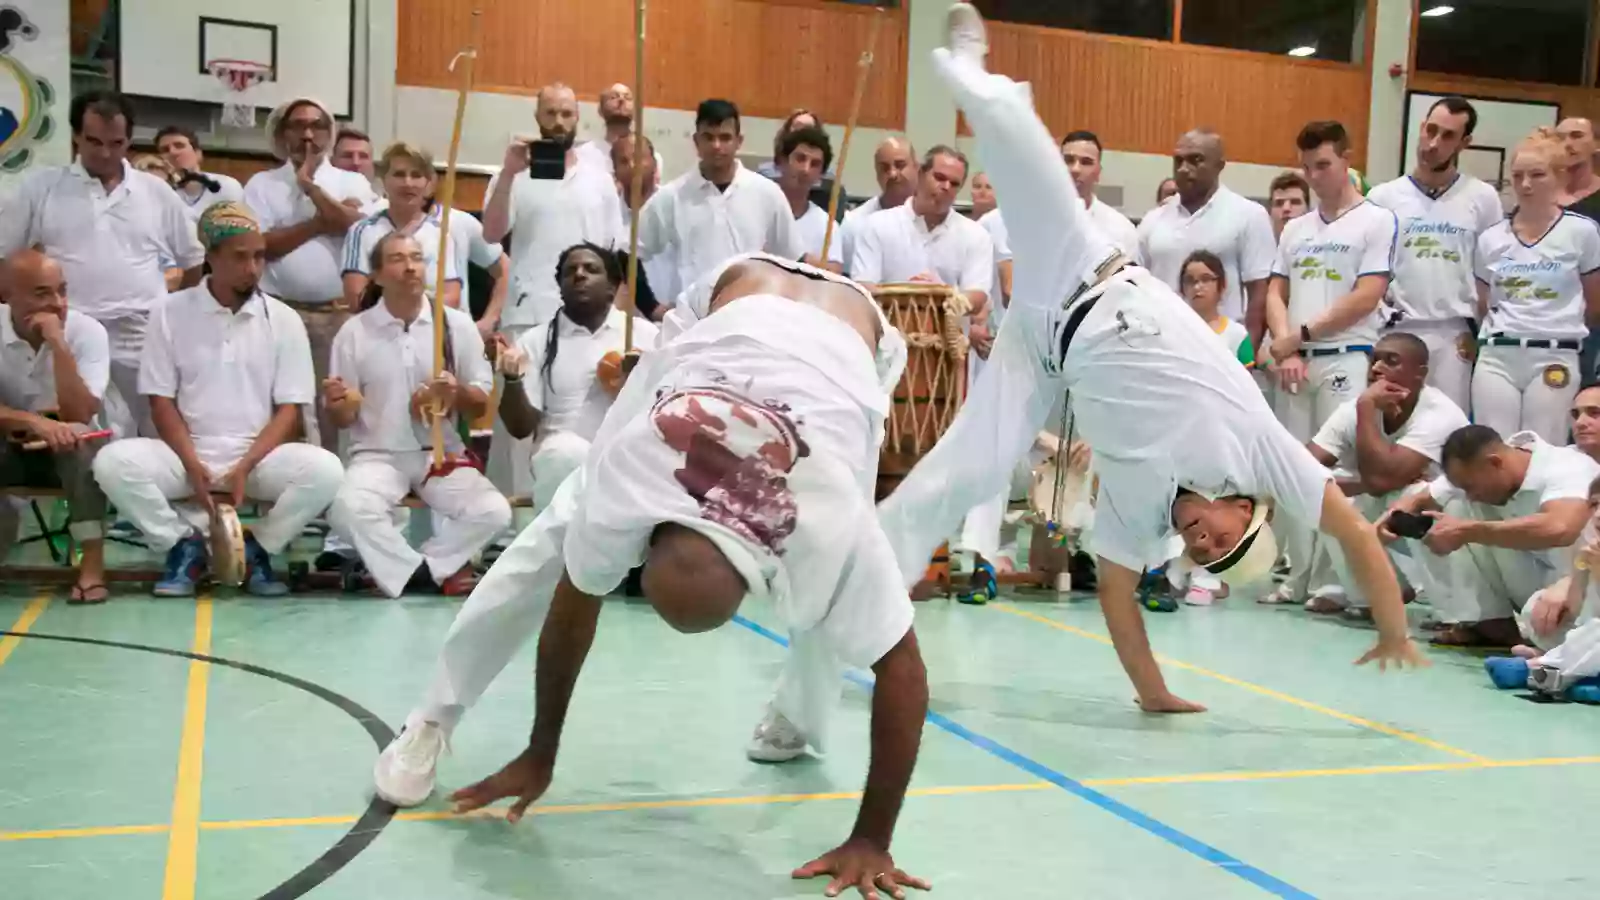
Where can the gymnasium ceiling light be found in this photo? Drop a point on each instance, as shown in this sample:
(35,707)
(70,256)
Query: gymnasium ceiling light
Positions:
(1434,12)
(1305,50)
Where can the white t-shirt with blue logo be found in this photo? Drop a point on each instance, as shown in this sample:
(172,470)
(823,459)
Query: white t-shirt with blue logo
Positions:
(1536,290)
(1323,260)
(1433,265)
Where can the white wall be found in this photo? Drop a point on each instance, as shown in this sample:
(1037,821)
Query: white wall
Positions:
(424,116)
(44,58)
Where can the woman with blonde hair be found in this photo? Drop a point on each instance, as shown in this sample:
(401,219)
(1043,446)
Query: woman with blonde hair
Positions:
(409,180)
(1538,275)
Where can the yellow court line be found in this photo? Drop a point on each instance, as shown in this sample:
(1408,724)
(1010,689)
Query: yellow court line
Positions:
(1256,688)
(184,840)
(30,614)
(773,799)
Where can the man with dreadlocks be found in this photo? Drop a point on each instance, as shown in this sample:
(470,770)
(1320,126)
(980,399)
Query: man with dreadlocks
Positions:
(227,372)
(738,462)
(380,385)
(562,401)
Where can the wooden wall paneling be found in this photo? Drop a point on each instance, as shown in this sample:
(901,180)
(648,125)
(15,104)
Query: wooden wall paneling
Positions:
(1574,101)
(83,22)
(1139,96)
(768,56)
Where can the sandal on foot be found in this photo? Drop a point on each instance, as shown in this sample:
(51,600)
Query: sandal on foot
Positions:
(88,594)
(982,592)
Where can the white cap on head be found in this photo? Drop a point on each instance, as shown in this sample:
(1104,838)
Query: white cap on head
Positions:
(1251,560)
(275,120)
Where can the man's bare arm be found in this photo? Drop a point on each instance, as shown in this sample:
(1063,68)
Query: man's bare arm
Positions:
(1385,467)
(1369,564)
(564,643)
(1556,524)
(520,417)
(899,705)
(1118,586)
(1351,487)
(1349,310)
(1255,310)
(283,241)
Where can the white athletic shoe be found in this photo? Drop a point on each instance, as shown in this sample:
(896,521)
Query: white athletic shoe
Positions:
(404,772)
(967,37)
(1199,596)
(776,740)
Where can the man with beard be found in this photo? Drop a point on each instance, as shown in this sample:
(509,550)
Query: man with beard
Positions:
(305,207)
(616,111)
(895,163)
(1442,210)
(226,370)
(543,216)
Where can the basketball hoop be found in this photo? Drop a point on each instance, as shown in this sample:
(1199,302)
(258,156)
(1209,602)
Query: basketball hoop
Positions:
(237,78)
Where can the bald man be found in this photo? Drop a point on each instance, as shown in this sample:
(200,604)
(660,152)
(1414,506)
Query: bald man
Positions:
(1205,215)
(722,495)
(543,217)
(895,164)
(616,112)
(55,364)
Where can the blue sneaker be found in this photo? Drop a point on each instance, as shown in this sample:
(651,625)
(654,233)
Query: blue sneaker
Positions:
(186,562)
(260,582)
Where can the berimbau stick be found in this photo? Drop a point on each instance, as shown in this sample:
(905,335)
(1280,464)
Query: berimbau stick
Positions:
(850,128)
(636,189)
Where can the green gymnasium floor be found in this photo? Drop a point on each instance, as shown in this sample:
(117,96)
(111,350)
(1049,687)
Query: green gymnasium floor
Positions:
(131,771)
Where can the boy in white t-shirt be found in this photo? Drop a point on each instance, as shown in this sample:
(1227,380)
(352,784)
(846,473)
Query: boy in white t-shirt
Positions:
(1506,515)
(1332,270)
(1380,445)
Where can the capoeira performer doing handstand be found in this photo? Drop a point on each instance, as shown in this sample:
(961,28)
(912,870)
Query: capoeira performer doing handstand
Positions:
(1182,439)
(738,461)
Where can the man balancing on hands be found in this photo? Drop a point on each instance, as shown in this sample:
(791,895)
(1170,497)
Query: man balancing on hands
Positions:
(1182,439)
(737,462)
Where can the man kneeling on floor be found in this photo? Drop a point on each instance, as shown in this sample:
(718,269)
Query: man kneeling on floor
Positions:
(738,461)
(228,373)
(1380,445)
(1507,514)
(57,361)
(380,386)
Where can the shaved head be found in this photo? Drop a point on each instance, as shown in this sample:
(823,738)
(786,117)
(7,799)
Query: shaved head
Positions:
(616,105)
(895,164)
(32,285)
(1197,166)
(26,264)
(557,114)
(689,582)
(1205,139)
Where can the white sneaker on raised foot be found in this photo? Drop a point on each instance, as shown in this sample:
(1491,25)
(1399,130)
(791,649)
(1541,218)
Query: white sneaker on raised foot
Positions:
(404,772)
(967,37)
(776,740)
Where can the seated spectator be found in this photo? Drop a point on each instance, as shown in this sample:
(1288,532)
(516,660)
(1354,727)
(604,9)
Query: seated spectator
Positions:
(381,389)
(562,401)
(1380,445)
(227,370)
(54,366)
(1507,514)
(1585,416)
(1572,602)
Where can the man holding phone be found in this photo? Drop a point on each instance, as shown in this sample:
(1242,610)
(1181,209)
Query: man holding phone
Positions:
(1506,514)
(1380,445)
(547,197)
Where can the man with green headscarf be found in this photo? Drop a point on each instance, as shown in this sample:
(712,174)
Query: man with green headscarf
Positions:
(227,372)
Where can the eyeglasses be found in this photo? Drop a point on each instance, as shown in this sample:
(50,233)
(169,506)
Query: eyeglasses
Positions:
(1197,280)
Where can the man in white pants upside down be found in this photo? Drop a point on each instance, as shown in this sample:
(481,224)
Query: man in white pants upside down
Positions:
(738,460)
(1182,439)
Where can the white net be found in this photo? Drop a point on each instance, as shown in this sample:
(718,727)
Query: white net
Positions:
(238,79)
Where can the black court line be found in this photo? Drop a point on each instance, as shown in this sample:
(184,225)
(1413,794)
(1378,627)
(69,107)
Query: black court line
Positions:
(366,829)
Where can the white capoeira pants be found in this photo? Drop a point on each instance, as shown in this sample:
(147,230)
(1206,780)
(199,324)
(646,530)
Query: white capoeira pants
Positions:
(1525,389)
(142,476)
(559,454)
(127,412)
(1427,572)
(1331,382)
(1451,352)
(470,513)
(1485,583)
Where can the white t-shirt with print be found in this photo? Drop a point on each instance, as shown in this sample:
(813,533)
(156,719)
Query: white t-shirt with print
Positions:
(1431,423)
(1323,260)
(1434,262)
(1536,290)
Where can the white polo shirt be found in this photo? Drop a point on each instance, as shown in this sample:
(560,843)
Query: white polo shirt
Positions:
(851,226)
(1116,227)
(703,227)
(897,245)
(1001,239)
(1438,239)
(387,361)
(1431,423)
(1554,473)
(226,371)
(659,270)
(364,236)
(1536,291)
(313,272)
(110,245)
(547,217)
(229,190)
(813,227)
(466,236)
(570,399)
(1237,229)
(27,376)
(1323,260)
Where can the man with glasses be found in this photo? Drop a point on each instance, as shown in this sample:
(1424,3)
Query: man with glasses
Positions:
(305,207)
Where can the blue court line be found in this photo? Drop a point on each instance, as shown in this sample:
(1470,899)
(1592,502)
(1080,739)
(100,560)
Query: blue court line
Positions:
(1230,864)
